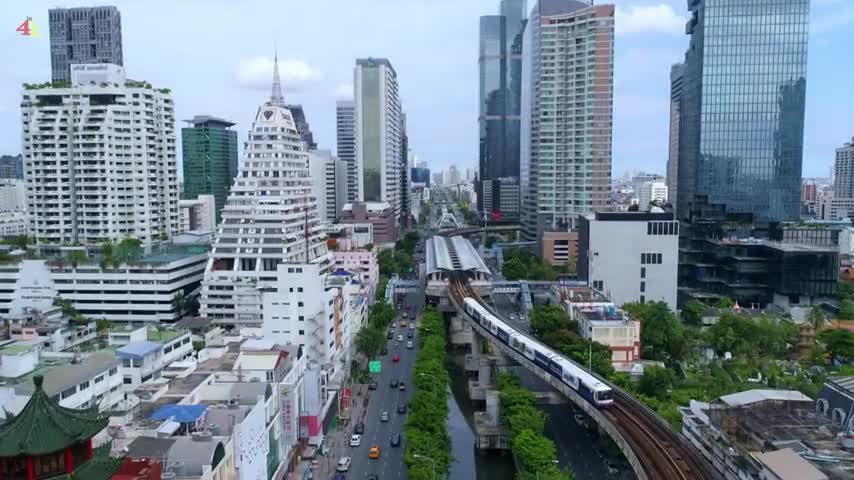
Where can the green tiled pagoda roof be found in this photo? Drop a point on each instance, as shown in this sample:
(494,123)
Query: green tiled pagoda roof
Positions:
(44,427)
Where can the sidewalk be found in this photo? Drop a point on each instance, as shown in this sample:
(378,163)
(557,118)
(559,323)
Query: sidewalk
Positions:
(337,442)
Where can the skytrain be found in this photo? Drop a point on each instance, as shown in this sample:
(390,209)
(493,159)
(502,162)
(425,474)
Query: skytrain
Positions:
(588,386)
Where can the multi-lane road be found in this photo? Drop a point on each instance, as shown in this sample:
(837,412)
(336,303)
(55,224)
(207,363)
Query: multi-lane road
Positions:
(386,399)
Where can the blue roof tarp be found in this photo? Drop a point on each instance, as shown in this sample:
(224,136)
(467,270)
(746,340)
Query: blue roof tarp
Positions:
(138,350)
(180,413)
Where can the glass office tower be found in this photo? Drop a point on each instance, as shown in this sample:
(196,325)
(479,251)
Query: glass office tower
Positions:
(742,113)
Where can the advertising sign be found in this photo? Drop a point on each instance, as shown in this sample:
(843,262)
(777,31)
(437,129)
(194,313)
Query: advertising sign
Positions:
(289,428)
(34,288)
(253,444)
(375,366)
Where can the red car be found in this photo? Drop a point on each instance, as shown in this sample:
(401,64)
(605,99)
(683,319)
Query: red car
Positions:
(395,358)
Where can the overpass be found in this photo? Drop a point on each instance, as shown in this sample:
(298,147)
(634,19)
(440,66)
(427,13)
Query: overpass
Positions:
(650,444)
(479,229)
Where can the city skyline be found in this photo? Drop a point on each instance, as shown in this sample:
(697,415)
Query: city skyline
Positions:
(649,38)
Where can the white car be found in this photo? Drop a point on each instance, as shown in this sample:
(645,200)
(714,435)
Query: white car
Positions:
(409,344)
(355,440)
(411,326)
(344,464)
(400,338)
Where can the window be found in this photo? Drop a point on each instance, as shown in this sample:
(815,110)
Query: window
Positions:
(651,258)
(68,392)
(114,371)
(84,385)
(598,285)
(128,380)
(270,377)
(643,272)
(643,287)
(642,299)
(301,318)
(299,289)
(300,304)
(99,379)
(302,332)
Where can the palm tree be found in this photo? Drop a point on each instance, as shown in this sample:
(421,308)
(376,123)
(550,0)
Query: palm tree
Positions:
(817,318)
(76,257)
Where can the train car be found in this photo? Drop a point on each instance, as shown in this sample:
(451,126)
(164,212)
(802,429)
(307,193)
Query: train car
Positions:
(502,335)
(517,342)
(568,374)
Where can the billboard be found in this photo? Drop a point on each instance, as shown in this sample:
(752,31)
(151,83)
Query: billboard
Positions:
(253,444)
(289,417)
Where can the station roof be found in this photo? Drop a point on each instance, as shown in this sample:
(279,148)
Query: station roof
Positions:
(438,251)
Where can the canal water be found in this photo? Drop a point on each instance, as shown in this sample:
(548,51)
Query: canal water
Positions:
(468,463)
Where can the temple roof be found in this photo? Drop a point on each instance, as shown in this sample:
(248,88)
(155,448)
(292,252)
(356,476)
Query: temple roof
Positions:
(44,427)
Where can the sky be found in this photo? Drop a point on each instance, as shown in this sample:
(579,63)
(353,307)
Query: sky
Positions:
(216,56)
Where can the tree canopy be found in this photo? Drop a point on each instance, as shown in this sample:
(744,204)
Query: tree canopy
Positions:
(662,335)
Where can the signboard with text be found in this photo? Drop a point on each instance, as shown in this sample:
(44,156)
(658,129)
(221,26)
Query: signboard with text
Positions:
(375,366)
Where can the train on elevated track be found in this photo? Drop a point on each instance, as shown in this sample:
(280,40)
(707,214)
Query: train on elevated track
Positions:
(589,387)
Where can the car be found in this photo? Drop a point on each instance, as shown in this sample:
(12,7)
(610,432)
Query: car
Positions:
(403,323)
(390,335)
(512,317)
(400,338)
(359,428)
(384,416)
(411,326)
(410,334)
(401,408)
(395,440)
(393,383)
(355,440)
(344,464)
(384,351)
(409,344)
(372,476)
(402,386)
(395,358)
(372,386)
(374,452)
(404,315)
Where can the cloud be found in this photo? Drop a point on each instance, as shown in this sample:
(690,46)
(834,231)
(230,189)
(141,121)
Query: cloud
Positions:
(343,91)
(296,75)
(659,18)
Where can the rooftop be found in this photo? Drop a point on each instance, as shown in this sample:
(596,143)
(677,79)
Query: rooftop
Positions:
(439,250)
(163,335)
(788,465)
(15,349)
(61,374)
(784,247)
(761,395)
(138,350)
(200,120)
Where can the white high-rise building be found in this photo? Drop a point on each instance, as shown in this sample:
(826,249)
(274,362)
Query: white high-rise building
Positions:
(345,130)
(118,177)
(329,175)
(452,176)
(567,110)
(270,218)
(378,133)
(651,192)
(198,214)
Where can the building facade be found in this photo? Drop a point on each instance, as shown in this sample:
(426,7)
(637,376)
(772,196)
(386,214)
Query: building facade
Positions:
(303,128)
(676,73)
(197,215)
(843,171)
(742,107)
(566,119)
(329,177)
(630,256)
(209,148)
(84,35)
(345,132)
(271,218)
(652,192)
(378,214)
(12,167)
(500,88)
(120,170)
(378,132)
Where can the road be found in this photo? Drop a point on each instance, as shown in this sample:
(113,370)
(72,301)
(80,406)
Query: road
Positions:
(577,447)
(390,464)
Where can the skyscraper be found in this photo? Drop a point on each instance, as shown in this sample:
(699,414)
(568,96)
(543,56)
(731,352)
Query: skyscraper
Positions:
(843,172)
(270,218)
(742,107)
(90,175)
(567,109)
(84,35)
(345,130)
(302,126)
(12,166)
(378,135)
(500,65)
(676,73)
(405,205)
(209,149)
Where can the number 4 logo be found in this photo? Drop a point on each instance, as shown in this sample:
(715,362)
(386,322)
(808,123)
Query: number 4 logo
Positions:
(28,28)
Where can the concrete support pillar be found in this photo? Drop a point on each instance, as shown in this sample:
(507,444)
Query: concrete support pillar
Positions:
(476,348)
(484,374)
(493,407)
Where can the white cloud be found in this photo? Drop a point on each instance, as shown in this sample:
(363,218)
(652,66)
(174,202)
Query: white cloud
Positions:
(343,91)
(296,75)
(659,18)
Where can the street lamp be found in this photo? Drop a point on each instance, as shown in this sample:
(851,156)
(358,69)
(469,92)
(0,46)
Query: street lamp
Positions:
(432,463)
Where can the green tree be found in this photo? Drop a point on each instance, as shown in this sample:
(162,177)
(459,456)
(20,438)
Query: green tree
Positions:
(845,290)
(692,312)
(526,416)
(76,257)
(817,318)
(513,269)
(662,335)
(370,341)
(534,451)
(103,325)
(548,319)
(656,382)
(846,309)
(839,342)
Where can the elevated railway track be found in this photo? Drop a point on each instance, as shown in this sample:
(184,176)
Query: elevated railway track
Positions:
(655,450)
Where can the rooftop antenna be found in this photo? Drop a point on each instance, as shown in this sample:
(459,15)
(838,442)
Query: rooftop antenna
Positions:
(276,97)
